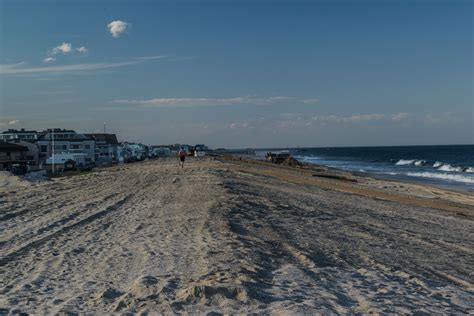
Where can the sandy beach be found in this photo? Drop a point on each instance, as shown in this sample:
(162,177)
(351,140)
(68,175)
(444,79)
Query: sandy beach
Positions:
(233,236)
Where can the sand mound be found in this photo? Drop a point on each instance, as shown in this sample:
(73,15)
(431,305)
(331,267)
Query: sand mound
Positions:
(145,289)
(218,295)
(8,180)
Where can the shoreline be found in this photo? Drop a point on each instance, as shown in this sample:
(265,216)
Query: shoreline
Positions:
(230,236)
(381,188)
(444,167)
(448,187)
(434,183)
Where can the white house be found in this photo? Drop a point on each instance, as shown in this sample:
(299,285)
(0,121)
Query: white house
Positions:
(21,134)
(65,142)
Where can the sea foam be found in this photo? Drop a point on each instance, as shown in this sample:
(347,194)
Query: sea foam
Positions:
(448,167)
(404,162)
(443,176)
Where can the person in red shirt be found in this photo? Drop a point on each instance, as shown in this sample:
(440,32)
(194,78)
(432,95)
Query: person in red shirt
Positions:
(182,156)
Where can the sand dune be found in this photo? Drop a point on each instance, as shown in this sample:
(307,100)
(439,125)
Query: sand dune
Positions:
(229,236)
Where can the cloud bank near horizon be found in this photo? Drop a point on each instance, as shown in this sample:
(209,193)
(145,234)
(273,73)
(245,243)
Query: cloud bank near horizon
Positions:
(197,102)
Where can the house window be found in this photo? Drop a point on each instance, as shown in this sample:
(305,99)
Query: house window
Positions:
(75,146)
(87,146)
(44,148)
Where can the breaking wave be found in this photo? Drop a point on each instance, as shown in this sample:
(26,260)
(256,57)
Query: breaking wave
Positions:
(407,162)
(403,162)
(448,167)
(420,162)
(441,166)
(443,176)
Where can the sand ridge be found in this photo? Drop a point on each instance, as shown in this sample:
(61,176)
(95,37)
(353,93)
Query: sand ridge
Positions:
(217,236)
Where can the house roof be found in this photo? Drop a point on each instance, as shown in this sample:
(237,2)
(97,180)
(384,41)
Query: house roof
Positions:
(22,131)
(58,130)
(4,147)
(60,141)
(109,138)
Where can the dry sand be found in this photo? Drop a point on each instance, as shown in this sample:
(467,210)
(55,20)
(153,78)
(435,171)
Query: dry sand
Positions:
(232,236)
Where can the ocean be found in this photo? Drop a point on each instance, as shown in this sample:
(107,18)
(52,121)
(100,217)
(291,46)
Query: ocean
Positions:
(446,166)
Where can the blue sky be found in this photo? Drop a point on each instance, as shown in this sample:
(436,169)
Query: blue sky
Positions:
(241,73)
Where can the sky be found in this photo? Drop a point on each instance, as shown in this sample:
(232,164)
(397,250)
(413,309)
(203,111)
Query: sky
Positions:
(239,74)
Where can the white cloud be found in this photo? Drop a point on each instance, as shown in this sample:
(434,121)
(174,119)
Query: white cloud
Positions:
(194,102)
(165,102)
(150,57)
(63,48)
(310,101)
(365,117)
(399,116)
(49,59)
(7,69)
(116,28)
(9,123)
(19,68)
(442,118)
(11,66)
(348,119)
(82,50)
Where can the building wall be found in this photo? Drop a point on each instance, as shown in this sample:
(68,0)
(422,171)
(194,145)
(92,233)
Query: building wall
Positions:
(33,152)
(10,156)
(63,146)
(106,152)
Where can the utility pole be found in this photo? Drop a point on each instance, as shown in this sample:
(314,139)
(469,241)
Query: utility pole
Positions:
(104,127)
(52,149)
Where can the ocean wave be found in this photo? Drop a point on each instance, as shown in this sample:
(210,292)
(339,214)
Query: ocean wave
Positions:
(404,162)
(443,176)
(307,158)
(407,162)
(439,165)
(419,162)
(449,168)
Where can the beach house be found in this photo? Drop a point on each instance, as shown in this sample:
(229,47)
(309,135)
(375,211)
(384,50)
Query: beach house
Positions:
(200,150)
(32,155)
(106,146)
(13,157)
(133,151)
(66,142)
(21,134)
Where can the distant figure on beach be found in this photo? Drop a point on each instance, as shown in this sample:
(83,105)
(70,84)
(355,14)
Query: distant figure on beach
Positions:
(182,156)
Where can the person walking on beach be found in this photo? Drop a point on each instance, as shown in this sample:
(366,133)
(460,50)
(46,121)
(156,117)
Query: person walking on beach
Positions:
(182,156)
